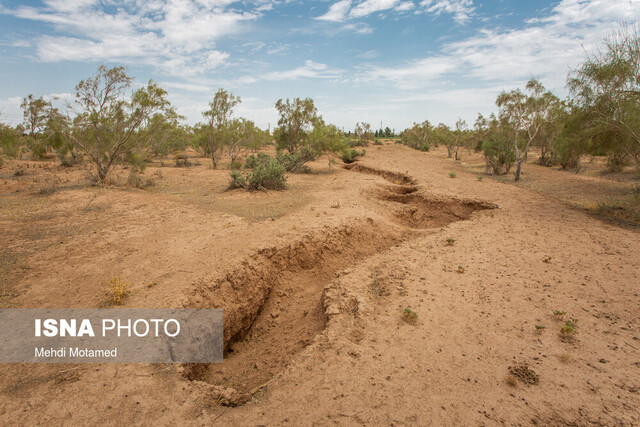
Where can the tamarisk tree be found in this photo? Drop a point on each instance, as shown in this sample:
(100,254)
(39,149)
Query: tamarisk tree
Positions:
(106,124)
(526,113)
(219,115)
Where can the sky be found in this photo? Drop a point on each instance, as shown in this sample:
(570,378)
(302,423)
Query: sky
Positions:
(385,62)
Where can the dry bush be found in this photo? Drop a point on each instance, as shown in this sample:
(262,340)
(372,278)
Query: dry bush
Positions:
(117,291)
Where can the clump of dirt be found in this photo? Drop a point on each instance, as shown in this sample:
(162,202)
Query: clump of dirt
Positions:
(524,373)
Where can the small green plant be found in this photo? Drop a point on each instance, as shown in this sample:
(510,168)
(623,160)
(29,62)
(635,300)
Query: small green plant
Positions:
(410,316)
(480,178)
(349,155)
(460,269)
(450,241)
(568,330)
(559,313)
(452,174)
(117,291)
(546,259)
(540,328)
(235,165)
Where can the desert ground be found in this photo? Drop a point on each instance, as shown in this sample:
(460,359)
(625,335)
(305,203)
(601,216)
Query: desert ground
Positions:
(316,280)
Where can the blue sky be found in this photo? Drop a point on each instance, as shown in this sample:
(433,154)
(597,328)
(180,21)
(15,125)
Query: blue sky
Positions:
(395,61)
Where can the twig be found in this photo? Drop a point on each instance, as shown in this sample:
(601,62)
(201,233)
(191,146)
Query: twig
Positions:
(219,415)
(92,199)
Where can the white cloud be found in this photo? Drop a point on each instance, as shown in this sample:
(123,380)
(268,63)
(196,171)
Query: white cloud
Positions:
(460,9)
(368,7)
(310,69)
(337,11)
(412,74)
(178,36)
(544,48)
(404,6)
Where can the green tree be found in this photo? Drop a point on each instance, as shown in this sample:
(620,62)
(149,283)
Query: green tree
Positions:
(419,136)
(219,115)
(445,136)
(297,117)
(526,113)
(460,136)
(106,124)
(164,135)
(607,86)
(363,134)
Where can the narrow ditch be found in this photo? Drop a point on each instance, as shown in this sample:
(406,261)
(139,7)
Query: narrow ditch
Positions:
(272,300)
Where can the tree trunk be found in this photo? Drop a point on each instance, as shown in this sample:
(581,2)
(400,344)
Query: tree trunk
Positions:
(213,160)
(518,169)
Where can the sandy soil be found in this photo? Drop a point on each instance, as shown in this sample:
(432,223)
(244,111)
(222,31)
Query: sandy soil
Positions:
(315,281)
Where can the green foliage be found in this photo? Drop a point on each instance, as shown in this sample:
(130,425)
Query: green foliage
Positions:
(295,162)
(297,118)
(498,147)
(606,86)
(363,135)
(420,136)
(181,160)
(349,155)
(218,133)
(10,141)
(257,159)
(265,173)
(525,113)
(107,124)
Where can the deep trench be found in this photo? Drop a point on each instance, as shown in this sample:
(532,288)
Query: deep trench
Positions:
(272,301)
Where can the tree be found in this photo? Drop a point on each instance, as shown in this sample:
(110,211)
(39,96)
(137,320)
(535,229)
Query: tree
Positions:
(35,112)
(164,134)
(219,114)
(526,113)
(327,139)
(363,134)
(106,124)
(607,86)
(419,136)
(296,120)
(497,145)
(445,136)
(460,135)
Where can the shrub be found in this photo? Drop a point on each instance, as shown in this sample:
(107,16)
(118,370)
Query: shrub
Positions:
(235,165)
(182,161)
(137,180)
(349,155)
(257,159)
(498,151)
(295,162)
(117,291)
(264,176)
(452,174)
